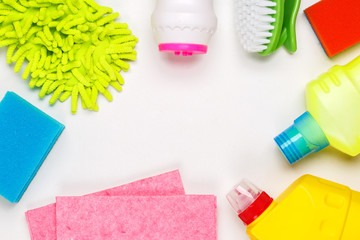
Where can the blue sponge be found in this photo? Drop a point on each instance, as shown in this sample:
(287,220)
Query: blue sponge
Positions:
(26,137)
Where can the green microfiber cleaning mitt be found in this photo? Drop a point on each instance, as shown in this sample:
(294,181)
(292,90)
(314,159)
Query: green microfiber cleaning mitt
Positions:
(74,47)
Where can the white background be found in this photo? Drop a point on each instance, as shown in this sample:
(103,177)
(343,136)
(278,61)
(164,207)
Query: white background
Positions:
(213,117)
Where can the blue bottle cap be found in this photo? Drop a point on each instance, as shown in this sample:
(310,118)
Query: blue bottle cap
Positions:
(304,137)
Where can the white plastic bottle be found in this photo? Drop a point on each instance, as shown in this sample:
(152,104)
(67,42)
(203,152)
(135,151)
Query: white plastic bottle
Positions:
(184,26)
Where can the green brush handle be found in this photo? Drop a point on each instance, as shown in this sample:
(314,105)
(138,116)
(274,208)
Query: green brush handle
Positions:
(288,35)
(284,27)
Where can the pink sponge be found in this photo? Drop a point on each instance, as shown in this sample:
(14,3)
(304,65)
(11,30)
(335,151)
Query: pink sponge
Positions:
(131,218)
(42,221)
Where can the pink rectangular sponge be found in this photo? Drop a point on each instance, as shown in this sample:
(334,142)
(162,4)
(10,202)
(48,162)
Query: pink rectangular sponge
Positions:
(42,221)
(187,217)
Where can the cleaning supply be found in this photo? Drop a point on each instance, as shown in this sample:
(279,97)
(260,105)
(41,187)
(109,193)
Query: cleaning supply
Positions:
(265,25)
(191,217)
(152,208)
(311,208)
(333,115)
(73,48)
(42,221)
(184,26)
(336,24)
(27,136)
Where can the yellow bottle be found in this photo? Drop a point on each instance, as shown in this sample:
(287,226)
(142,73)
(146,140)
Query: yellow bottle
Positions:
(333,116)
(310,209)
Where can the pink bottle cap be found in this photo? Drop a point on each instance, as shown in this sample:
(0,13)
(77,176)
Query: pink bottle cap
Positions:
(186,49)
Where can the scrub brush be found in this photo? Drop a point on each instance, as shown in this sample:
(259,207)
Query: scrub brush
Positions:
(266,25)
(73,48)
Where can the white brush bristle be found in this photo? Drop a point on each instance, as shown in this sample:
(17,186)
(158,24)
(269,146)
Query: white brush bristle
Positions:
(253,23)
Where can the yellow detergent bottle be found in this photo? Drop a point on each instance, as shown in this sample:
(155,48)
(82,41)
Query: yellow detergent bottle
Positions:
(310,209)
(333,116)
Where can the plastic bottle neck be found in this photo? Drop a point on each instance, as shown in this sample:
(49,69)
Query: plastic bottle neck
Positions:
(256,208)
(305,136)
(248,201)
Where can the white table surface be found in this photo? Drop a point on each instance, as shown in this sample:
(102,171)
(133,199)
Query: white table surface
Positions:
(213,117)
